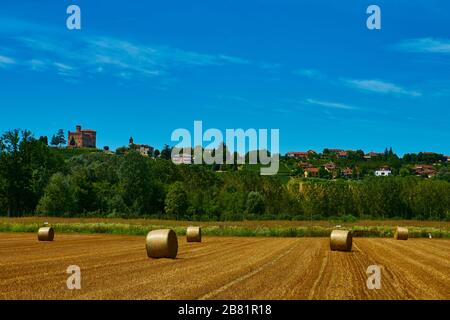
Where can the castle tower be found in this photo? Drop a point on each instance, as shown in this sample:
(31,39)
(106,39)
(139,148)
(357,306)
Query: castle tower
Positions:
(82,138)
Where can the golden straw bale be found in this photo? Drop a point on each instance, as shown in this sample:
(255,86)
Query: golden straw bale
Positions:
(341,240)
(162,244)
(194,234)
(46,234)
(401,233)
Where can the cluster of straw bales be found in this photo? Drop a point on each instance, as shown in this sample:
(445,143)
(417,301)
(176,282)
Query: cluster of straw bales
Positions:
(164,243)
(159,243)
(341,240)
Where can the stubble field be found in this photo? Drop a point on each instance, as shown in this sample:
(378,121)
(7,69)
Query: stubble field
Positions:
(116,267)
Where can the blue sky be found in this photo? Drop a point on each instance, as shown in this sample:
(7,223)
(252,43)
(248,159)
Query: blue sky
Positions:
(309,68)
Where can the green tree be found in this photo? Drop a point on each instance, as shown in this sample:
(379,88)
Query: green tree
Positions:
(61,137)
(122,150)
(176,203)
(135,181)
(430,199)
(323,173)
(59,197)
(44,140)
(404,172)
(255,203)
(13,171)
(166,153)
(26,165)
(58,139)
(444,174)
(72,142)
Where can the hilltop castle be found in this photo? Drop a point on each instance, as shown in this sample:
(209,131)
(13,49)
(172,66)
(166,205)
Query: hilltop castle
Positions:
(82,138)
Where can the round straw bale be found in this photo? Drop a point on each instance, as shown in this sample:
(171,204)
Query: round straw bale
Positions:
(162,244)
(46,234)
(341,240)
(401,233)
(194,234)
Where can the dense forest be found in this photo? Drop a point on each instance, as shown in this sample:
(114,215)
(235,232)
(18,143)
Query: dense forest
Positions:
(39,180)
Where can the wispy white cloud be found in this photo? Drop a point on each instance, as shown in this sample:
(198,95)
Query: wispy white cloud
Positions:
(118,57)
(6,61)
(379,86)
(371,85)
(424,45)
(329,104)
(100,55)
(124,53)
(65,70)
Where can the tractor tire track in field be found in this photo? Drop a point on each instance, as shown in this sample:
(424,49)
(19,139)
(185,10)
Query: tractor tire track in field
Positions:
(414,272)
(225,287)
(116,267)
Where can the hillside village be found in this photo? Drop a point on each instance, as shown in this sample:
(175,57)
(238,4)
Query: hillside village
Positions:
(338,163)
(77,178)
(331,163)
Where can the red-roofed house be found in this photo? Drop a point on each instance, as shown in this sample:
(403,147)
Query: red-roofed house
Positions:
(304,165)
(372,154)
(330,166)
(335,150)
(298,154)
(311,172)
(343,154)
(347,172)
(423,166)
(425,170)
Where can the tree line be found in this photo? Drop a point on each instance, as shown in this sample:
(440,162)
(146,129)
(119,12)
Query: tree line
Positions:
(38,180)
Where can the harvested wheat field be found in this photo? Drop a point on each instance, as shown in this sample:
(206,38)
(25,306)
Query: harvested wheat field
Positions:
(117,267)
